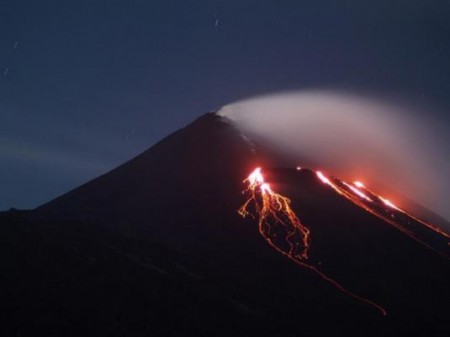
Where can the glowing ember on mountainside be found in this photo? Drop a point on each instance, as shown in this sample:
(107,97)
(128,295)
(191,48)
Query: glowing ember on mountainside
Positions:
(359,184)
(323,178)
(357,192)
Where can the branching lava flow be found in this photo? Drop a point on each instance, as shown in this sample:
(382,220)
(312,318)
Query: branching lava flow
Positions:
(282,229)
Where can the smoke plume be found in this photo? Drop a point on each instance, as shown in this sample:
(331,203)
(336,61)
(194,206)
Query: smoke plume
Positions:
(384,145)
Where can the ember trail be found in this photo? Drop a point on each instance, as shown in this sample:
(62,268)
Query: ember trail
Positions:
(282,229)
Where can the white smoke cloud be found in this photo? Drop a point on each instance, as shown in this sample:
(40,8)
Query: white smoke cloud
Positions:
(353,138)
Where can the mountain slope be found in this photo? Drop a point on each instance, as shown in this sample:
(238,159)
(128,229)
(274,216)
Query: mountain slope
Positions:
(156,247)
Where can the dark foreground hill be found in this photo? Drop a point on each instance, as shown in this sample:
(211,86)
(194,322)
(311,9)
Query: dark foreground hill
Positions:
(156,248)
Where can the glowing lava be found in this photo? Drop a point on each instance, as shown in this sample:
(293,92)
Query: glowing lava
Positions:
(272,206)
(375,204)
(359,184)
(282,229)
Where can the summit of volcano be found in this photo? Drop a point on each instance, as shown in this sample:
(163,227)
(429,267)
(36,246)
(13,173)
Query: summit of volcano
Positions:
(157,247)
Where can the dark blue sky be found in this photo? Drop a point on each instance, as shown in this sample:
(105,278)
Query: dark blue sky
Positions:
(86,85)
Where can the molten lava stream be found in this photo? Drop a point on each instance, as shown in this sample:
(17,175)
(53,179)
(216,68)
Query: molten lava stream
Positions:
(370,201)
(275,216)
(391,205)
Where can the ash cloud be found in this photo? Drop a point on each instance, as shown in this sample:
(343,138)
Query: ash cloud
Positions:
(395,149)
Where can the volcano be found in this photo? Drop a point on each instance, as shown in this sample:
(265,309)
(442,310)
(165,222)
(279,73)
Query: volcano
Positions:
(156,247)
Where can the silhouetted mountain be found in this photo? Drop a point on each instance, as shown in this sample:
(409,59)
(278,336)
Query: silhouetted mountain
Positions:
(156,248)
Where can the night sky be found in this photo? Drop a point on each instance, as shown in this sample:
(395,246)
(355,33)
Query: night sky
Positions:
(86,85)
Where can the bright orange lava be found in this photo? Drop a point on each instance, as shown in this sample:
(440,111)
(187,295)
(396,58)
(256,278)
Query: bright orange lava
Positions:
(359,184)
(276,216)
(270,205)
(370,201)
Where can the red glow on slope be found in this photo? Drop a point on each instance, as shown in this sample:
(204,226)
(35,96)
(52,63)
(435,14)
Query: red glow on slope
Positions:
(323,178)
(363,197)
(357,192)
(273,212)
(389,203)
(359,184)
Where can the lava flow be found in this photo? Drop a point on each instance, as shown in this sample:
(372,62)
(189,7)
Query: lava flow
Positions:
(282,229)
(365,198)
